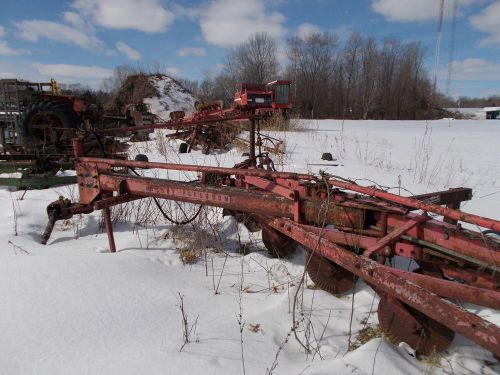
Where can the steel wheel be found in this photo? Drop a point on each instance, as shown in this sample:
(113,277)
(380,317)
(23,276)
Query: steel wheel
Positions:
(432,337)
(277,244)
(328,276)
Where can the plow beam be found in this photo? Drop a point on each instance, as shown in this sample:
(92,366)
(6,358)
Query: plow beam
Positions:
(473,327)
(419,205)
(256,202)
(105,164)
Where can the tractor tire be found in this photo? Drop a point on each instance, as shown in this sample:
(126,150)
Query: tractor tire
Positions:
(53,113)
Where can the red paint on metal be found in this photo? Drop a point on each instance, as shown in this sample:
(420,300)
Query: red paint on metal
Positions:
(107,163)
(270,186)
(469,325)
(395,234)
(462,241)
(416,204)
(109,229)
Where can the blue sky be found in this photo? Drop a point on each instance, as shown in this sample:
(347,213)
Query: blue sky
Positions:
(83,40)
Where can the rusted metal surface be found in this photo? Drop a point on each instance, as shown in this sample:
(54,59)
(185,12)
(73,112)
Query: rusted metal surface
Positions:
(416,204)
(450,196)
(402,323)
(447,236)
(88,182)
(109,229)
(270,186)
(452,316)
(395,234)
(349,235)
(186,122)
(451,289)
(106,163)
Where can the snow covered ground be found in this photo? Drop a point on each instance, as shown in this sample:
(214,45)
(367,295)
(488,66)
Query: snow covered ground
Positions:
(70,307)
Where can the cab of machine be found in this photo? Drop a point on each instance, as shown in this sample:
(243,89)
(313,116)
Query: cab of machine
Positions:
(280,94)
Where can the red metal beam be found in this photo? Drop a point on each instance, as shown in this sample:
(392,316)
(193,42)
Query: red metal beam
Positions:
(416,204)
(395,234)
(483,333)
(106,163)
(188,122)
(461,242)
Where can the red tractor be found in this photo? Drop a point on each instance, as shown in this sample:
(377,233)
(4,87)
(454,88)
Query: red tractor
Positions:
(263,98)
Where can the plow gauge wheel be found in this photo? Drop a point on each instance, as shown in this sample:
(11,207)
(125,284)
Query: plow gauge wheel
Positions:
(276,243)
(327,275)
(430,338)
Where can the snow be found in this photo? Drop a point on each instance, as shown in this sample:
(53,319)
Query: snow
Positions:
(71,307)
(171,97)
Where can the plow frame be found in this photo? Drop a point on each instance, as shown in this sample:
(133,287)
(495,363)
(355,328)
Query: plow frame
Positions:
(380,224)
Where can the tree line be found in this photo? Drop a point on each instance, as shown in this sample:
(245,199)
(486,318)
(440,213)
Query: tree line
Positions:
(359,78)
(353,78)
(466,102)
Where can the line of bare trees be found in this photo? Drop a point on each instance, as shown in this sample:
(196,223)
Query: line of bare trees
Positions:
(359,78)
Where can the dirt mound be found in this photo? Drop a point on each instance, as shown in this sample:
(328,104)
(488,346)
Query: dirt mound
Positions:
(133,90)
(171,96)
(161,92)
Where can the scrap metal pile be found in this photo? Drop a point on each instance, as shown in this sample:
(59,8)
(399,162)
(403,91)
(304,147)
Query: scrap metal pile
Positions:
(349,231)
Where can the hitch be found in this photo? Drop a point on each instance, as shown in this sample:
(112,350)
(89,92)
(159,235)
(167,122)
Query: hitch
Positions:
(62,209)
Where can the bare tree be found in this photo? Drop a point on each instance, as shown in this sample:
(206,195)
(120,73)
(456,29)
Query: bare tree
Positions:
(313,58)
(351,66)
(254,61)
(369,81)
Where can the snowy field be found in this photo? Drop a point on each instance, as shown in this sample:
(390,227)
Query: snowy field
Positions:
(71,307)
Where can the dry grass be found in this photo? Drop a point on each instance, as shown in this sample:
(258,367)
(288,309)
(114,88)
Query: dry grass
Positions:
(190,256)
(366,334)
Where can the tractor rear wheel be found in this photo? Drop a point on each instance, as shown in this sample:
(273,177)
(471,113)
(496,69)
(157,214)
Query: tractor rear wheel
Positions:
(39,120)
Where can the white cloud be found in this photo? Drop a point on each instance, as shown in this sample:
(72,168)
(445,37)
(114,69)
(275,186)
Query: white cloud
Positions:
(75,20)
(191,51)
(6,50)
(488,22)
(414,10)
(228,23)
(33,30)
(474,69)
(306,29)
(144,15)
(73,71)
(128,51)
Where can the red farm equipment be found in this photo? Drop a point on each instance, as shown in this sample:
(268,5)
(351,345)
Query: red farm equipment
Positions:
(213,127)
(263,98)
(38,123)
(348,230)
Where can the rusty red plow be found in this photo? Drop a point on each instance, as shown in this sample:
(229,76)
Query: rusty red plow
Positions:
(349,232)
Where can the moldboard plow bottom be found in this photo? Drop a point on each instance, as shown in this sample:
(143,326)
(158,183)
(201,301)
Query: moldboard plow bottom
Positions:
(349,231)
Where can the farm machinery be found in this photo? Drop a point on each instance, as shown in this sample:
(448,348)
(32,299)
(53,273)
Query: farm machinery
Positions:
(349,232)
(212,126)
(38,123)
